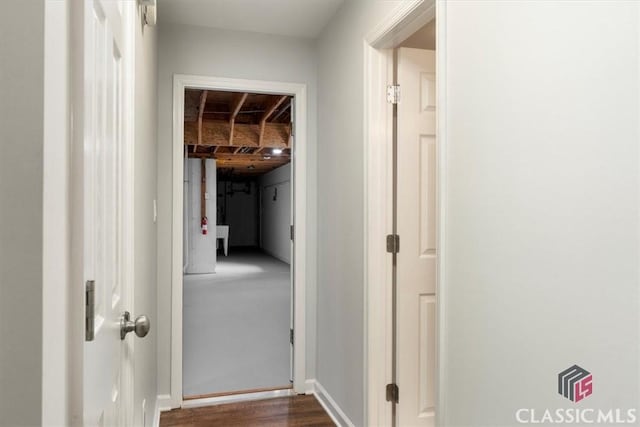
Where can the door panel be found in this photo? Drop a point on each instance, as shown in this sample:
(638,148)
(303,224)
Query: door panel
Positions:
(107,359)
(416,261)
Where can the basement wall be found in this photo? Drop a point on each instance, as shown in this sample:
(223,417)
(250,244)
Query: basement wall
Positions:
(200,248)
(238,207)
(275,190)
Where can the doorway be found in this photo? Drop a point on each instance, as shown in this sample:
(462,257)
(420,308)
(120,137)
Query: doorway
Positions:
(253,156)
(238,212)
(404,204)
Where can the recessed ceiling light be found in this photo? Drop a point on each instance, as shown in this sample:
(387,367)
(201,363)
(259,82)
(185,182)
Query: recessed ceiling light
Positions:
(266,157)
(277,151)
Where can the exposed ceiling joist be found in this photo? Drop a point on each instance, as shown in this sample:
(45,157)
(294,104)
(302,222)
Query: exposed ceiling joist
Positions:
(238,101)
(203,102)
(275,103)
(282,110)
(214,133)
(240,130)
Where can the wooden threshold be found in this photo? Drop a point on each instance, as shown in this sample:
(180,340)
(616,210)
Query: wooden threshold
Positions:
(233,393)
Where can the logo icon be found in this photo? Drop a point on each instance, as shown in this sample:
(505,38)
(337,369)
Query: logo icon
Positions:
(575,383)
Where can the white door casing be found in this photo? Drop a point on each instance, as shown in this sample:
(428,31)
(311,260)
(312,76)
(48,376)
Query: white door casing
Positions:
(107,161)
(292,257)
(416,261)
(299,171)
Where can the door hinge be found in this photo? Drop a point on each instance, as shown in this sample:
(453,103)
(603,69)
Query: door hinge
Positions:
(291,336)
(291,232)
(392,393)
(393,243)
(89,309)
(393,94)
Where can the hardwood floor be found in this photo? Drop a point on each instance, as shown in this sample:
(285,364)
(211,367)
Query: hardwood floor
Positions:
(282,411)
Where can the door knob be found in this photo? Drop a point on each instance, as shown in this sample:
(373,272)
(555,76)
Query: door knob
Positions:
(140,326)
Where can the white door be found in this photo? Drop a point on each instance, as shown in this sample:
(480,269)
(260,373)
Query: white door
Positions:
(416,262)
(106,193)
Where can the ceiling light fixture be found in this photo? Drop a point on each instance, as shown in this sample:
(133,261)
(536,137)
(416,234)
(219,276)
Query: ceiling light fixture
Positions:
(276,151)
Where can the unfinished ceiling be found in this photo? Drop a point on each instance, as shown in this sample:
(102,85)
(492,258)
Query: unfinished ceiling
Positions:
(248,134)
(294,18)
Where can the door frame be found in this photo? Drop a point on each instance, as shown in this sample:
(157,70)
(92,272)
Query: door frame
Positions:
(300,219)
(404,20)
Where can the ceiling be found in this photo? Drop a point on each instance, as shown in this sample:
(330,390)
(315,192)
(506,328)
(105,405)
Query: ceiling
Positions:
(295,18)
(248,134)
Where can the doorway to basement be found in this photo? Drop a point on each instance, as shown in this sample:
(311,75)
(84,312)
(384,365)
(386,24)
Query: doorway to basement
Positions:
(237,240)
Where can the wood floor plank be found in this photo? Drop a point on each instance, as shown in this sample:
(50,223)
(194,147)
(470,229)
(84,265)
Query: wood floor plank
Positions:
(295,411)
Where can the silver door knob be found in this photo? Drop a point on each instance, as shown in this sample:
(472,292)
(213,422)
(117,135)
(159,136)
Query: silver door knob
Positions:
(140,326)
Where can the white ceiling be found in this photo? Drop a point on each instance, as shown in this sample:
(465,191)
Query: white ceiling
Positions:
(296,18)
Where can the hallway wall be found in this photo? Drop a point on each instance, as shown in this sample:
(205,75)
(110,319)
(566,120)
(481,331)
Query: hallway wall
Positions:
(211,52)
(542,206)
(145,193)
(21,215)
(341,293)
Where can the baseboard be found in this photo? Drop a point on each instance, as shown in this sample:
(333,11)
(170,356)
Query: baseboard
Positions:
(163,403)
(335,412)
(310,386)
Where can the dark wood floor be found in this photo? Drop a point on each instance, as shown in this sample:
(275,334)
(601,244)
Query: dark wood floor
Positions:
(282,411)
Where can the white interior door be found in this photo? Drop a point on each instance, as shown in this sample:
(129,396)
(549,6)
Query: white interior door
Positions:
(416,261)
(106,191)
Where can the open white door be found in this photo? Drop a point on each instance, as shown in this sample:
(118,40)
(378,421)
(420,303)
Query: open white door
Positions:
(416,261)
(106,140)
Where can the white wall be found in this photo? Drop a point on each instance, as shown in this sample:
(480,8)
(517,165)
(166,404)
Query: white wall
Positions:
(241,212)
(22,50)
(194,50)
(541,244)
(341,203)
(275,216)
(201,248)
(145,231)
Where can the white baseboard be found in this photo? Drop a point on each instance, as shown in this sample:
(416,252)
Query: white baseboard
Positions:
(335,412)
(163,403)
(310,386)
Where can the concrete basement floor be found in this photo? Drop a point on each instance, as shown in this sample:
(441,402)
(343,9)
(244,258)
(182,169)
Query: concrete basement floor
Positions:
(236,325)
